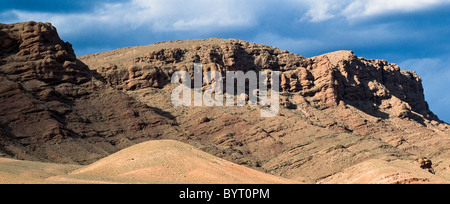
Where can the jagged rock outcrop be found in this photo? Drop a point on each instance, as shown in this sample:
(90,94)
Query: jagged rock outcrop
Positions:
(34,51)
(377,85)
(374,86)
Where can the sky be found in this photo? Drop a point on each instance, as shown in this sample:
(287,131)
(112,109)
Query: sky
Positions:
(415,34)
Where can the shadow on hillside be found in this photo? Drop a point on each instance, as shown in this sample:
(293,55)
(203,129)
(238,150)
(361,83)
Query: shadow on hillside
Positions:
(163,113)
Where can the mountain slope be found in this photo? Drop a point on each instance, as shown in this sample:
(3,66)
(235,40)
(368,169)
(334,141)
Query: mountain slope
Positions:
(53,109)
(340,109)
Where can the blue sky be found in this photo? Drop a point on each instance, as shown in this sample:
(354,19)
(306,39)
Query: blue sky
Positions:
(412,33)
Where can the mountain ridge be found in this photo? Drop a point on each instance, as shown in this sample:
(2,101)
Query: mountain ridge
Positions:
(338,110)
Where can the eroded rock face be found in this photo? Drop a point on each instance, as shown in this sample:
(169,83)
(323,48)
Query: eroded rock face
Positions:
(374,86)
(51,104)
(34,51)
(382,83)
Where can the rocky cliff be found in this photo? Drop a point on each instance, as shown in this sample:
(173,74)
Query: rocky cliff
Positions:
(378,87)
(53,109)
(343,116)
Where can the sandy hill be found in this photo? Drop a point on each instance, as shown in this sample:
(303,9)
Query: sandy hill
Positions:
(344,118)
(172,162)
(150,162)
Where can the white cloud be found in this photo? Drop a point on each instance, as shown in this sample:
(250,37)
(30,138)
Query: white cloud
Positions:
(68,23)
(321,10)
(158,15)
(213,15)
(368,8)
(189,15)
